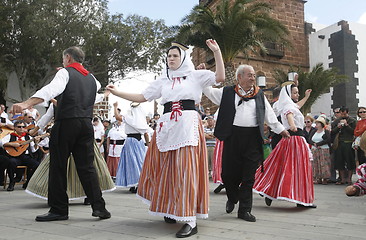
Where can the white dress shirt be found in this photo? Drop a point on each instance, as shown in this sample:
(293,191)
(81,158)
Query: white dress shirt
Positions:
(245,115)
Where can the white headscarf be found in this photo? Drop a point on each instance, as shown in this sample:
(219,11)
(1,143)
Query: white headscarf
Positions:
(286,104)
(184,69)
(136,118)
(285,101)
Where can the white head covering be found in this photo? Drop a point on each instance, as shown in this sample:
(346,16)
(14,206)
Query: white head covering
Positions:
(285,105)
(185,67)
(285,101)
(136,118)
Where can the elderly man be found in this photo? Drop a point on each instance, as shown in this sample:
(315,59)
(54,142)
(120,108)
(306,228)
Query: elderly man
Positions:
(75,90)
(240,124)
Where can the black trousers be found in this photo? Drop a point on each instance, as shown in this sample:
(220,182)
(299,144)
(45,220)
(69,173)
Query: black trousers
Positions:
(5,163)
(26,160)
(241,155)
(74,136)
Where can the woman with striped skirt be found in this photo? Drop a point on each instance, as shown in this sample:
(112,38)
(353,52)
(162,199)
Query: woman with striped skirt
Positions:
(174,177)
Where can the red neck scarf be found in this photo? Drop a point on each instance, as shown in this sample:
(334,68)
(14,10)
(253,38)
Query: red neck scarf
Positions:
(80,68)
(19,136)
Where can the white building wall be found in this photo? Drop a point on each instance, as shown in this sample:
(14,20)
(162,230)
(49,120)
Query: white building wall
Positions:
(359,30)
(319,52)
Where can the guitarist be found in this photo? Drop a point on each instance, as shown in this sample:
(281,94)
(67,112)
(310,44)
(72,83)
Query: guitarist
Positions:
(26,159)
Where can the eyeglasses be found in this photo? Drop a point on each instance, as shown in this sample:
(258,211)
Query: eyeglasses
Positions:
(336,112)
(20,126)
(307,121)
(362,112)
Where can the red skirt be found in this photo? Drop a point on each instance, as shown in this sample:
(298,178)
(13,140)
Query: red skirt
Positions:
(287,173)
(217,162)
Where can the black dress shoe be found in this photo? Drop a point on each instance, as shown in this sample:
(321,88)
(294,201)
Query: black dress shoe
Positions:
(247,216)
(169,220)
(51,217)
(219,188)
(102,214)
(186,231)
(133,189)
(10,187)
(303,206)
(268,201)
(229,206)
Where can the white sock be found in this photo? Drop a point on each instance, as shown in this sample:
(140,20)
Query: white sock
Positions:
(192,224)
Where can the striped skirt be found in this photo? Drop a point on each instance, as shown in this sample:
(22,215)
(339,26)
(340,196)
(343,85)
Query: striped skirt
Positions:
(130,163)
(112,163)
(175,183)
(287,173)
(217,162)
(38,184)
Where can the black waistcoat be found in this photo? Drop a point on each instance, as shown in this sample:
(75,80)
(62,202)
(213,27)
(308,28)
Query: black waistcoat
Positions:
(227,112)
(77,100)
(26,137)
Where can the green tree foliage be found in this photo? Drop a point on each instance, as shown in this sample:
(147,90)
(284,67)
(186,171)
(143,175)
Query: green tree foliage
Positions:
(320,80)
(35,32)
(240,26)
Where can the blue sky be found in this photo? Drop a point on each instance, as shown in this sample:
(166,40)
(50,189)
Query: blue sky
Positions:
(325,12)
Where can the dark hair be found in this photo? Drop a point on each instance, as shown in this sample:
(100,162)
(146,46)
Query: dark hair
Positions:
(344,109)
(276,92)
(359,108)
(173,47)
(95,119)
(76,53)
(18,122)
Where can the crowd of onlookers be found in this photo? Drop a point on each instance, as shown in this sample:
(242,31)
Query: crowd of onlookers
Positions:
(334,142)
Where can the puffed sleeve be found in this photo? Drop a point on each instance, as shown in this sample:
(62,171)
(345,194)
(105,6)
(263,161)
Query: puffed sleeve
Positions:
(153,91)
(205,78)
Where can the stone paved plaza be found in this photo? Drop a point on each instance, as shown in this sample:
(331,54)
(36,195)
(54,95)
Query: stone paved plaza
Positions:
(337,217)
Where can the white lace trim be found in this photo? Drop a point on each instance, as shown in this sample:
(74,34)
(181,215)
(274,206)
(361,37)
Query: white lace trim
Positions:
(172,134)
(182,219)
(128,186)
(70,199)
(283,198)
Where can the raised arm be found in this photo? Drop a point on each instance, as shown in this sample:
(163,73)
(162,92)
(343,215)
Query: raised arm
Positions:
(303,101)
(116,113)
(220,68)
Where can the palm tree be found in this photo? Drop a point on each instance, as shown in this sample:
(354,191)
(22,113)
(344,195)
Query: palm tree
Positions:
(320,80)
(239,26)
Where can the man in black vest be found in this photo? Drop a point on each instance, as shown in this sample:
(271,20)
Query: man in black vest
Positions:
(240,124)
(75,90)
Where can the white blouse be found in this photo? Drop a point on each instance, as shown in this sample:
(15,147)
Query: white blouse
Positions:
(116,133)
(179,129)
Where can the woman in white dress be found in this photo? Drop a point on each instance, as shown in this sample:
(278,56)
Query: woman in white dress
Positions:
(174,178)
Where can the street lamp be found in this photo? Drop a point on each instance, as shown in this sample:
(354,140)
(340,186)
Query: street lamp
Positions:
(261,81)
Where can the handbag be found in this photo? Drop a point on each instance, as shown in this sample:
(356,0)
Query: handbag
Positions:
(335,142)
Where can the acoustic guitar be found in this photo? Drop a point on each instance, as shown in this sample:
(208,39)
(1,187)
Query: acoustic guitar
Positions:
(5,131)
(17,151)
